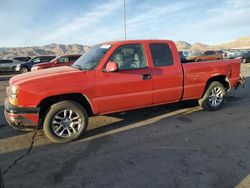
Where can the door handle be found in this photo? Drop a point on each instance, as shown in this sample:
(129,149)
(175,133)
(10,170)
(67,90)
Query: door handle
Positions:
(146,76)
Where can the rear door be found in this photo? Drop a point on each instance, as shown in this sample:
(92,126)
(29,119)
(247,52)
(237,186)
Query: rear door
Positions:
(166,73)
(130,87)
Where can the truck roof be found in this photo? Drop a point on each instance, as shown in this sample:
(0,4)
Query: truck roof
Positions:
(135,41)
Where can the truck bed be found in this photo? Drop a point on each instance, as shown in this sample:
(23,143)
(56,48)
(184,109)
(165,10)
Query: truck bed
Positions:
(197,74)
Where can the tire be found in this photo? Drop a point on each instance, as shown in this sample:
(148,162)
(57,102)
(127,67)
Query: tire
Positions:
(213,98)
(24,70)
(60,125)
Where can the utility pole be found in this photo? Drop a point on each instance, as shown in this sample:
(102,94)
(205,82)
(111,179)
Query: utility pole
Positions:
(125,24)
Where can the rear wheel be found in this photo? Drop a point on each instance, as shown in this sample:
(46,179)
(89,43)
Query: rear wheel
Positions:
(65,121)
(214,97)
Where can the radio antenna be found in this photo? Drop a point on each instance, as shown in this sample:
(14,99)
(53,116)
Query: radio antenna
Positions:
(125,20)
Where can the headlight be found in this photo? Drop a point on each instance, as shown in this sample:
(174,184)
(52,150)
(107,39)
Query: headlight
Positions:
(18,65)
(12,93)
(13,90)
(34,68)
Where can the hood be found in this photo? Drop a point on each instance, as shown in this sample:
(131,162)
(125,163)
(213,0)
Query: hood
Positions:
(43,75)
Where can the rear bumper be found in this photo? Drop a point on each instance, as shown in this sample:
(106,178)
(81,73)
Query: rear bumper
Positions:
(21,118)
(241,81)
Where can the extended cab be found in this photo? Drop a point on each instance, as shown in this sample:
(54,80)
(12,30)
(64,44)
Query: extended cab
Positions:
(63,60)
(114,77)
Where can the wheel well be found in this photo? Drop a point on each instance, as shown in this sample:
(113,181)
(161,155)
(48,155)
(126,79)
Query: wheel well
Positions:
(77,97)
(221,79)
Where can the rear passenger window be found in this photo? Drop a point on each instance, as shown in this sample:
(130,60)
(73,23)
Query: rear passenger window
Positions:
(161,55)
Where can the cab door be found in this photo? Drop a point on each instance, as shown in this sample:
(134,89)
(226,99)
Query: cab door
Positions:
(167,76)
(128,88)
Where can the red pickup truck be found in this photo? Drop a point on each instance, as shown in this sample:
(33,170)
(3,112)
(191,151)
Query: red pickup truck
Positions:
(63,60)
(114,77)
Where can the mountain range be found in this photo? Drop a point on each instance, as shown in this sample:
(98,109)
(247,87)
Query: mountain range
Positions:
(240,43)
(59,49)
(51,49)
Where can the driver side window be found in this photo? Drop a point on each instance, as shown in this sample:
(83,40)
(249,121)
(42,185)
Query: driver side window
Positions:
(129,57)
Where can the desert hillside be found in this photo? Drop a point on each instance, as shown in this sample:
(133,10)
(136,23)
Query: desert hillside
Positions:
(240,43)
(51,49)
(58,49)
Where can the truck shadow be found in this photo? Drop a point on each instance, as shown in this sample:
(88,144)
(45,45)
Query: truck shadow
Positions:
(100,125)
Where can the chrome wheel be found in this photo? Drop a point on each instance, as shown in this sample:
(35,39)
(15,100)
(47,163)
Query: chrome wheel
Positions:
(216,96)
(66,123)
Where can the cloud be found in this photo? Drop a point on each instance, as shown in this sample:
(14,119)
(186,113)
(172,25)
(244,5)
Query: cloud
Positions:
(155,13)
(84,22)
(225,22)
(31,22)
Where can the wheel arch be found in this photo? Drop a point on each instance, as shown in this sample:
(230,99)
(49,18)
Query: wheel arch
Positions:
(219,78)
(77,97)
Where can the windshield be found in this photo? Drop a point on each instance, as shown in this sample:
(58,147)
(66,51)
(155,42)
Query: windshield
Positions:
(91,59)
(31,60)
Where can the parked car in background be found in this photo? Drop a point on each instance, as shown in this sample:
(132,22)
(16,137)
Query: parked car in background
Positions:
(183,55)
(26,67)
(192,56)
(235,54)
(8,64)
(114,77)
(64,60)
(209,55)
(222,52)
(246,57)
(22,58)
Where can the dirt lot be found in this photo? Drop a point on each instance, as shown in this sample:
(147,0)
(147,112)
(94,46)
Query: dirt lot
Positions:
(166,146)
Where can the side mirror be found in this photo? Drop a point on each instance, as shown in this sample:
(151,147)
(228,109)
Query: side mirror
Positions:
(112,67)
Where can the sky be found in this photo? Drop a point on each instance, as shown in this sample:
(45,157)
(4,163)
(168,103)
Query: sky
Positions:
(87,22)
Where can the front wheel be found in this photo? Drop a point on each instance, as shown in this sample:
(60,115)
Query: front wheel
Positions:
(24,70)
(65,121)
(214,97)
